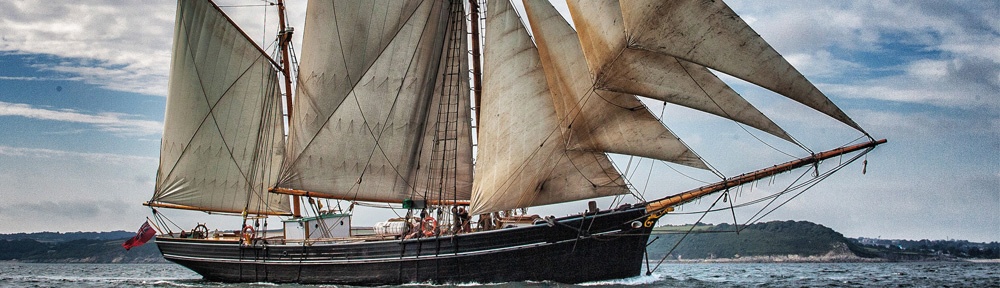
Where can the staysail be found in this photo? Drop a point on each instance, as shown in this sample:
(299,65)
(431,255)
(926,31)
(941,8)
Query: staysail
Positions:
(523,159)
(617,65)
(223,135)
(597,120)
(710,34)
(376,120)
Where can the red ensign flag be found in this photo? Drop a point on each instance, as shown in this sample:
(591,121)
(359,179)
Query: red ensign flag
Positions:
(145,233)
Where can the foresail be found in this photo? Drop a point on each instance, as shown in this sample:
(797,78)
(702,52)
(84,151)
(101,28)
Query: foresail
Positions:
(597,120)
(223,135)
(616,66)
(369,74)
(709,33)
(522,157)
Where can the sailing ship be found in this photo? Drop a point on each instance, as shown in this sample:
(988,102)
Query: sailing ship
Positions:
(385,110)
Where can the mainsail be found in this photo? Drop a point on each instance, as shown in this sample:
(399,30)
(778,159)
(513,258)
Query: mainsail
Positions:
(382,107)
(223,138)
(523,158)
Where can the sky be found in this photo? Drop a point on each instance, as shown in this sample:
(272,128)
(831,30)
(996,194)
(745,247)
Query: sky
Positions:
(83,87)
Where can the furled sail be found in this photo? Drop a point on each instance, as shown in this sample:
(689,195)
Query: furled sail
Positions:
(597,120)
(523,159)
(223,135)
(373,109)
(617,66)
(709,33)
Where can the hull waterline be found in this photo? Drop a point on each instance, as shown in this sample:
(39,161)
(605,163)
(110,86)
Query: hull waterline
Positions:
(570,250)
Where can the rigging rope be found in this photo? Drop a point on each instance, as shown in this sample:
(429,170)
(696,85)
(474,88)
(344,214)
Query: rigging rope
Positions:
(802,187)
(650,271)
(795,141)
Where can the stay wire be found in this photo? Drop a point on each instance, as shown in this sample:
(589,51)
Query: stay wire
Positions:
(678,243)
(795,141)
(809,184)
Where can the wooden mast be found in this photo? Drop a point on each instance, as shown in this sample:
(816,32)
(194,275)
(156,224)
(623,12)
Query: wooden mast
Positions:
(477,76)
(284,38)
(668,202)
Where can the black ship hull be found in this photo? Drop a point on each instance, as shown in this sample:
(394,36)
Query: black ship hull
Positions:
(599,246)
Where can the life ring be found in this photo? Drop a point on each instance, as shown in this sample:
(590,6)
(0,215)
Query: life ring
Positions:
(248,234)
(429,222)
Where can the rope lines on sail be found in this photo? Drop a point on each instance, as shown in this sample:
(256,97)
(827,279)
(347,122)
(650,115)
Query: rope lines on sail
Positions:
(571,118)
(509,180)
(353,94)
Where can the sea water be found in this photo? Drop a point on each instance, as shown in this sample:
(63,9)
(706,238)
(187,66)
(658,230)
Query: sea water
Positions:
(912,274)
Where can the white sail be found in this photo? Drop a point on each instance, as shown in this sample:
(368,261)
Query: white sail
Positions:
(709,33)
(523,160)
(369,73)
(597,120)
(617,66)
(223,139)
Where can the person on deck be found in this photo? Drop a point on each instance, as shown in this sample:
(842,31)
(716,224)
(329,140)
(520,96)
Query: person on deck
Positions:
(414,225)
(463,220)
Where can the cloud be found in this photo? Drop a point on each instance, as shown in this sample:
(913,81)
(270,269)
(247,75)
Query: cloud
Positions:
(131,40)
(102,158)
(913,52)
(122,46)
(965,83)
(118,123)
(24,78)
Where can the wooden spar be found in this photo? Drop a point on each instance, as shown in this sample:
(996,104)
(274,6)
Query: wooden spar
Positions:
(477,76)
(681,198)
(186,207)
(301,193)
(285,37)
